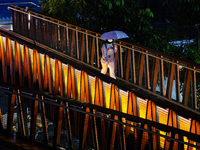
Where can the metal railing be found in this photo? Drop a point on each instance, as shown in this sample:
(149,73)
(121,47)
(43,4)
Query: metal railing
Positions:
(56,87)
(96,114)
(155,71)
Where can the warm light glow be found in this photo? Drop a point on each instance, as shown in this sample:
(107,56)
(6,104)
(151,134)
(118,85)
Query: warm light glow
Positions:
(142,108)
(162,113)
(78,82)
(92,85)
(124,101)
(107,89)
(65,75)
(163,116)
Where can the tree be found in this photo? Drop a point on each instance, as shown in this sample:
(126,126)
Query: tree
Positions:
(186,13)
(104,15)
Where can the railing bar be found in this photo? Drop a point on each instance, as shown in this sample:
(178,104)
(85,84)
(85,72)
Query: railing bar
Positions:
(86,45)
(140,69)
(155,72)
(41,31)
(92,52)
(161,77)
(99,37)
(10,115)
(97,51)
(34,28)
(127,64)
(20,3)
(20,114)
(170,80)
(17,22)
(121,62)
(20,23)
(26,22)
(194,94)
(76,44)
(44,122)
(133,76)
(177,83)
(187,86)
(49,33)
(38,30)
(119,71)
(68,126)
(34,111)
(66,40)
(146,65)
(24,25)
(57,39)
(13,19)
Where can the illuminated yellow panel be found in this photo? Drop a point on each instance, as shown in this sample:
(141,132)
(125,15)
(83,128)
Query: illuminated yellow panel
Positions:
(53,65)
(124,104)
(124,101)
(13,48)
(142,107)
(184,125)
(163,115)
(22,52)
(107,89)
(78,82)
(65,72)
(42,64)
(92,88)
(31,57)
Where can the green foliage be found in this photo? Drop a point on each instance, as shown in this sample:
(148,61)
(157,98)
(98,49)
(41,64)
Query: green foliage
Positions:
(186,12)
(191,52)
(104,15)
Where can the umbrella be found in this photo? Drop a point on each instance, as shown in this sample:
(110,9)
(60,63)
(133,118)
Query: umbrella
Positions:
(113,35)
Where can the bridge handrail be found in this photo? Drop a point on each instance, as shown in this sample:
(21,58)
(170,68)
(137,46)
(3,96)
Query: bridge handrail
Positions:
(125,63)
(138,48)
(141,49)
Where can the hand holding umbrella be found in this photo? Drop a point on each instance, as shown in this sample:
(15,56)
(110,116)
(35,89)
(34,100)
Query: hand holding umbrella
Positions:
(108,49)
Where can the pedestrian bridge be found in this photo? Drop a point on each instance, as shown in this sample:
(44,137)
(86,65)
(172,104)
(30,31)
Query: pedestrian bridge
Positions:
(54,93)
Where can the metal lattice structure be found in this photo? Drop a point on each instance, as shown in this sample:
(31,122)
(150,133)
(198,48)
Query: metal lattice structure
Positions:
(53,92)
(150,69)
(66,103)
